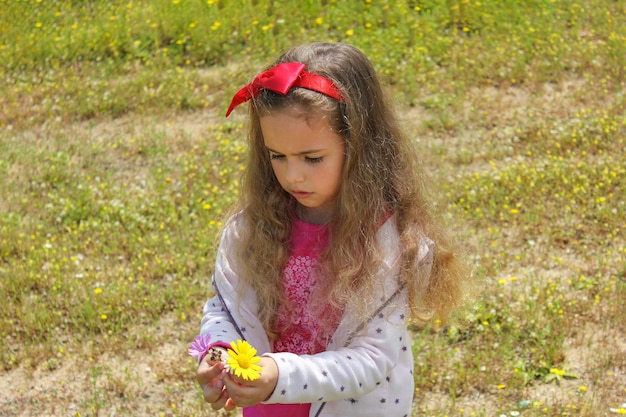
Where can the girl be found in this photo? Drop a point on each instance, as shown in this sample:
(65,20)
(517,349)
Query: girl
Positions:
(332,248)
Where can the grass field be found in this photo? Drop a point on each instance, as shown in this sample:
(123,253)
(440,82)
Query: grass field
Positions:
(117,165)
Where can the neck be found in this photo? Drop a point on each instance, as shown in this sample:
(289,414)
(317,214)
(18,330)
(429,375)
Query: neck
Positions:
(315,215)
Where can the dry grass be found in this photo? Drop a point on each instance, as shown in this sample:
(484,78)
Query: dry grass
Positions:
(117,167)
(145,370)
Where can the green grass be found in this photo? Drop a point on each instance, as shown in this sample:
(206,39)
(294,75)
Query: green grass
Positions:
(117,167)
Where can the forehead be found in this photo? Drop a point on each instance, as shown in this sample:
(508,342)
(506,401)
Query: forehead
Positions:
(290,131)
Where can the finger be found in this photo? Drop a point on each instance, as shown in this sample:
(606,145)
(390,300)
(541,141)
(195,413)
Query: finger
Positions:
(231,380)
(231,387)
(212,391)
(240,394)
(206,372)
(221,400)
(230,405)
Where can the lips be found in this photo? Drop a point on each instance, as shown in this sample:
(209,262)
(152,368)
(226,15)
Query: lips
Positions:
(300,194)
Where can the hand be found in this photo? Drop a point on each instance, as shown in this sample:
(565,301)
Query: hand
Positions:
(210,376)
(248,393)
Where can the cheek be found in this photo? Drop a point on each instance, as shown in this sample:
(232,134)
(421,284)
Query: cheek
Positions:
(335,177)
(278,174)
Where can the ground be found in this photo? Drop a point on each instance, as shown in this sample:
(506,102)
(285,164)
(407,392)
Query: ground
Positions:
(159,380)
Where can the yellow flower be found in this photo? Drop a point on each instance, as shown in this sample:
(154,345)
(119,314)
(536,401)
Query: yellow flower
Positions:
(556,371)
(242,361)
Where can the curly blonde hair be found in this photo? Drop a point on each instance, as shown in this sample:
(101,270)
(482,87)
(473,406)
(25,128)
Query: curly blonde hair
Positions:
(381,175)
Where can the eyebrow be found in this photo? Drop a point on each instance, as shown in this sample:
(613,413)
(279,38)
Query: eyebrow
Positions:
(305,152)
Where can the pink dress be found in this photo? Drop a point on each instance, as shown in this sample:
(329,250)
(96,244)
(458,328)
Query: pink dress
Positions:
(302,332)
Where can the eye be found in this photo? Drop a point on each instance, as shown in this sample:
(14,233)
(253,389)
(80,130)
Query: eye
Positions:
(276,156)
(312,160)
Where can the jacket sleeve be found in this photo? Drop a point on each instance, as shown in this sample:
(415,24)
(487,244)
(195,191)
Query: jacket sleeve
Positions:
(217,323)
(230,315)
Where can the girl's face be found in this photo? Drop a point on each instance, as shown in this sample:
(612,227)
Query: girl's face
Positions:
(307,157)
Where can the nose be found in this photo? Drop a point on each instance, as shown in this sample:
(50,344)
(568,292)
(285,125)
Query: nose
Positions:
(293,172)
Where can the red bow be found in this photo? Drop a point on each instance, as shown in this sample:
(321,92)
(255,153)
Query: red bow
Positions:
(280,79)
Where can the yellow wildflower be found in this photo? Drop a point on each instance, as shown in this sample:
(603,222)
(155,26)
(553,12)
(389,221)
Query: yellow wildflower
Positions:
(242,361)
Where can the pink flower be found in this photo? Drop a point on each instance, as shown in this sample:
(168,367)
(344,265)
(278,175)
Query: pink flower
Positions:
(199,347)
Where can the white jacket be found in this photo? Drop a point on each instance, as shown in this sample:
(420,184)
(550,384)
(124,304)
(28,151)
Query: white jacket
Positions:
(367,369)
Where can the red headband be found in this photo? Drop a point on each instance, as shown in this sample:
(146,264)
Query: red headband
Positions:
(280,79)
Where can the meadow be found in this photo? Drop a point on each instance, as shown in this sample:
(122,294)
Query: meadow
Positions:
(117,168)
